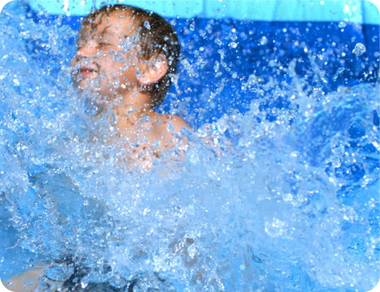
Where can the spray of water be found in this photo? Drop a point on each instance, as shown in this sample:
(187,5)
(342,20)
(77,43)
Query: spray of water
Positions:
(256,205)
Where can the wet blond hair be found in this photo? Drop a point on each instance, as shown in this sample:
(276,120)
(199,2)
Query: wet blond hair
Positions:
(156,37)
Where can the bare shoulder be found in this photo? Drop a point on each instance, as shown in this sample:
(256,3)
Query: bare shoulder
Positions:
(176,122)
(164,128)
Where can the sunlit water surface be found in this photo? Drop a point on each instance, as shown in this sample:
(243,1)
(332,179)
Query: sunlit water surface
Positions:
(288,203)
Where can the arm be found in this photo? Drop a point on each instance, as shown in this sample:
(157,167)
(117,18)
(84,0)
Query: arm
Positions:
(26,281)
(31,280)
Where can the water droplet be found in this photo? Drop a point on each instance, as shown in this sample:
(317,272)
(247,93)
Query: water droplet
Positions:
(147,24)
(146,119)
(218,42)
(342,24)
(359,49)
(44,287)
(340,71)
(118,282)
(83,284)
(59,272)
(263,41)
(233,45)
(192,26)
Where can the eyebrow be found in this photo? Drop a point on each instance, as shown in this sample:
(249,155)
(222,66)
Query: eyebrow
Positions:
(104,30)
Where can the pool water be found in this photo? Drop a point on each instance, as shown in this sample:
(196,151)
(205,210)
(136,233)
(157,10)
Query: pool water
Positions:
(284,199)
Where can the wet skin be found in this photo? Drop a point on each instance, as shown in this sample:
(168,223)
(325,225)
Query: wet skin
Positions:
(108,64)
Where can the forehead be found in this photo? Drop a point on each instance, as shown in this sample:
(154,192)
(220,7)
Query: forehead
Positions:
(119,23)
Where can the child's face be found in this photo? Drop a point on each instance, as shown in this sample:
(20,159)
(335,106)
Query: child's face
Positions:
(106,61)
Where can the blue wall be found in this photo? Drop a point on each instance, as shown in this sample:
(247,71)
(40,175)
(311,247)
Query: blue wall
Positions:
(359,11)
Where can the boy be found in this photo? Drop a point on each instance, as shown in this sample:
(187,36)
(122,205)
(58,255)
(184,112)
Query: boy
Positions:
(124,60)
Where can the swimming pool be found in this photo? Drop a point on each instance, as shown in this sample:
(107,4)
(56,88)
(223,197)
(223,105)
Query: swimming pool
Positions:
(288,202)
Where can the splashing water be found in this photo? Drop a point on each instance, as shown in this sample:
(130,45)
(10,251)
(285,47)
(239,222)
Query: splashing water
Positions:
(282,204)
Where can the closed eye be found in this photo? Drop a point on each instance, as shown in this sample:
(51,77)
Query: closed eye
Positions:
(103,44)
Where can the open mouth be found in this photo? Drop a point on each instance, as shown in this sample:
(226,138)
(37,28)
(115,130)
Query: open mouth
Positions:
(86,71)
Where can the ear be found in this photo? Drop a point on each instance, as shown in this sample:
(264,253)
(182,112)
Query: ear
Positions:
(153,70)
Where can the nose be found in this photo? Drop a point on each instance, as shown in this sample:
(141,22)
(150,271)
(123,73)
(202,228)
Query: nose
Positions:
(85,50)
(89,49)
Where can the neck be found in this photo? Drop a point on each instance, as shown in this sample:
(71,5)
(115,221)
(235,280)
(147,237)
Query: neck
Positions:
(130,107)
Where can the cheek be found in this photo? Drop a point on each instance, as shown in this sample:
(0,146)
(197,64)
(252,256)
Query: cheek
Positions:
(128,59)
(73,62)
(127,68)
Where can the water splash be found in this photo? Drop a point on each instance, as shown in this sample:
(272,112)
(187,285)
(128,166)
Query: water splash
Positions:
(266,200)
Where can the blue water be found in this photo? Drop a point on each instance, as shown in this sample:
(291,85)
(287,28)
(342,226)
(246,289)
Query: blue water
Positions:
(286,199)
